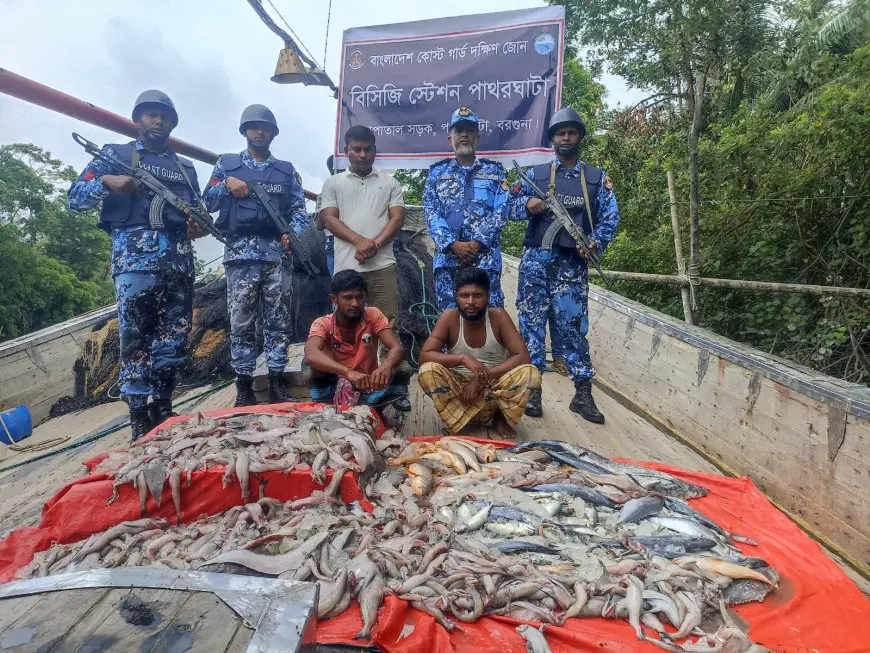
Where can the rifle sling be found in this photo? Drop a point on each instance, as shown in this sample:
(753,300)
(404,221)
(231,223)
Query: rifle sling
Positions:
(551,189)
(586,198)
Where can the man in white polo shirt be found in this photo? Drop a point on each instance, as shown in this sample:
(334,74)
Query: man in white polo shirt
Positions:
(363,208)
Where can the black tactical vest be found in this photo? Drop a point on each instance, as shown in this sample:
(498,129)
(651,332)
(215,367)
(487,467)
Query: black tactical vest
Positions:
(247,215)
(569,191)
(124,210)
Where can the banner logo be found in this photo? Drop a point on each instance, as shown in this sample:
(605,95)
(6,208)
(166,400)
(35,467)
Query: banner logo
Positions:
(356,60)
(545,43)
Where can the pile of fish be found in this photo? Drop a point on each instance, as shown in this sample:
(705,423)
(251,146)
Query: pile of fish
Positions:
(543,532)
(245,444)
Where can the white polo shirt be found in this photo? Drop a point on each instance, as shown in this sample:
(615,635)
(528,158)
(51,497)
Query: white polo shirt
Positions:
(363,204)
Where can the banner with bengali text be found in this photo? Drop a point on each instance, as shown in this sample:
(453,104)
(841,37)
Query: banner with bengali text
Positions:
(405,80)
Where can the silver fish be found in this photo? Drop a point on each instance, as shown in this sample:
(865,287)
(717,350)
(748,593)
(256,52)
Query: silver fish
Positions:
(635,510)
(535,640)
(370,600)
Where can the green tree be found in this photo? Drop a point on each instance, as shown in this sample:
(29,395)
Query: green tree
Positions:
(785,199)
(54,263)
(676,49)
(33,198)
(36,291)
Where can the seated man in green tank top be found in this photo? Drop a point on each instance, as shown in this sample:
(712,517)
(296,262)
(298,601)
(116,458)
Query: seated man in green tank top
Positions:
(474,365)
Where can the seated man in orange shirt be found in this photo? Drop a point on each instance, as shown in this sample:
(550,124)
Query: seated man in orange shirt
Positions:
(341,354)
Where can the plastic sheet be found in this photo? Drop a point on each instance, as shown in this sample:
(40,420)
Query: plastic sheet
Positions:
(815,609)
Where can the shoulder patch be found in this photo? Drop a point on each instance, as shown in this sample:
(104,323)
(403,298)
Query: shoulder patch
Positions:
(490,162)
(441,162)
(608,182)
(504,185)
(298,178)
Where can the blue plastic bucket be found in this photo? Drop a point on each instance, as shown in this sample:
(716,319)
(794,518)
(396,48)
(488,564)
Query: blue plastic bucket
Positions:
(18,424)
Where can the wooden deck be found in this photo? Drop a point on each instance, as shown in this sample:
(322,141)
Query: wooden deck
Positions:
(624,434)
(105,619)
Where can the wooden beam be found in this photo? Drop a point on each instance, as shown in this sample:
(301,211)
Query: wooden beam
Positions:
(737,284)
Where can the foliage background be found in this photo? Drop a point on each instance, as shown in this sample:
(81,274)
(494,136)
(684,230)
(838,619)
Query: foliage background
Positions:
(54,264)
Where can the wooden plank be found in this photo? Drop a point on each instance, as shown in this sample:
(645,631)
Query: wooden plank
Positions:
(758,433)
(82,635)
(776,440)
(646,443)
(81,323)
(44,359)
(49,619)
(11,610)
(239,643)
(140,619)
(857,442)
(204,623)
(72,425)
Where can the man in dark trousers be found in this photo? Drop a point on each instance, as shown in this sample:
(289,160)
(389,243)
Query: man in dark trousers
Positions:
(255,249)
(153,268)
(554,273)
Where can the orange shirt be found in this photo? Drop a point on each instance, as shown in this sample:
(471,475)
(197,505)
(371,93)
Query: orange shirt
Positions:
(361,355)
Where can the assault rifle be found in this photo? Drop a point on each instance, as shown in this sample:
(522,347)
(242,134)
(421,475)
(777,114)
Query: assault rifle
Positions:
(283,226)
(555,207)
(162,195)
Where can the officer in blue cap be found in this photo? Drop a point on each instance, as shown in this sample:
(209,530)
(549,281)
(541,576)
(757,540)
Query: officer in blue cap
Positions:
(465,204)
(553,274)
(152,268)
(253,259)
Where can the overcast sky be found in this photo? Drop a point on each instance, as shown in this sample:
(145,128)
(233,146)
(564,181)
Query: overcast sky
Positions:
(212,57)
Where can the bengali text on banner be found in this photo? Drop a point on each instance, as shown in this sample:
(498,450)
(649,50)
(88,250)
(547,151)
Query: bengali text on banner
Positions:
(404,80)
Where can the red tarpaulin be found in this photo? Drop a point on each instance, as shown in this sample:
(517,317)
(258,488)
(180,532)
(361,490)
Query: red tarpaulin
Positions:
(816,608)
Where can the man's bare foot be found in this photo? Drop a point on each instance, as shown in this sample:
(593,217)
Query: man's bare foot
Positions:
(502,427)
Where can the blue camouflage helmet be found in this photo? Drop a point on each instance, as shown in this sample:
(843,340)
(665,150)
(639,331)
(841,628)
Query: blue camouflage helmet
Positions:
(463,114)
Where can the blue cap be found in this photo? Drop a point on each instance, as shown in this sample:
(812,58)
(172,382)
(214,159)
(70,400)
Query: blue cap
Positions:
(463,114)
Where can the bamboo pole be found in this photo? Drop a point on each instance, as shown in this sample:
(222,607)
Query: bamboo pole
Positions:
(738,284)
(678,248)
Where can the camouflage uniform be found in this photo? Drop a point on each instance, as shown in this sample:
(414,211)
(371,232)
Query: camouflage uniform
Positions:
(153,273)
(254,270)
(463,204)
(558,280)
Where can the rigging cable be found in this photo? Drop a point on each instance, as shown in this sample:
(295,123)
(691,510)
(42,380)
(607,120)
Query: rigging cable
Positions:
(326,38)
(289,42)
(310,58)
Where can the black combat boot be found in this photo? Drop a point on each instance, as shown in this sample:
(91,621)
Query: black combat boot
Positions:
(161,410)
(534,407)
(583,402)
(278,393)
(245,391)
(140,422)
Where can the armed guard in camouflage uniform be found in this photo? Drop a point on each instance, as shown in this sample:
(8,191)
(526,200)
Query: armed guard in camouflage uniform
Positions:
(152,268)
(465,204)
(553,272)
(255,249)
